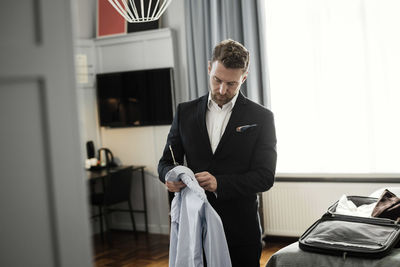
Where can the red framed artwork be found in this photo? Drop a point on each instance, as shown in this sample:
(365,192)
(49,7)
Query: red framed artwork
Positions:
(109,21)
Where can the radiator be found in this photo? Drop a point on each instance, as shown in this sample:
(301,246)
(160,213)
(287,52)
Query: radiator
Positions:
(289,208)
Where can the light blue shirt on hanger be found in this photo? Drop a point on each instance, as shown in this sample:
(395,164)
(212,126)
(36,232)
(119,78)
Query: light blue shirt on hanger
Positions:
(195,226)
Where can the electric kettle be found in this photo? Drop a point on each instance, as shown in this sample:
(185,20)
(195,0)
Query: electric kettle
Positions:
(106,157)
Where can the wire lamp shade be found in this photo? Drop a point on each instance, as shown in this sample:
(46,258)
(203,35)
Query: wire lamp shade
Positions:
(136,11)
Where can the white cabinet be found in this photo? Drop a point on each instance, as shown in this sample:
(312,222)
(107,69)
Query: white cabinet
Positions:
(141,50)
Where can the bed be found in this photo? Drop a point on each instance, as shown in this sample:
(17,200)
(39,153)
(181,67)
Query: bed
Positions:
(293,256)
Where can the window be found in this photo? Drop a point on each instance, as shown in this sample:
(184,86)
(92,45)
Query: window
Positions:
(334,71)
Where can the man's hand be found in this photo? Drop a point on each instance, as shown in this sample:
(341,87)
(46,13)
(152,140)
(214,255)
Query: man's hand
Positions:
(207,181)
(175,186)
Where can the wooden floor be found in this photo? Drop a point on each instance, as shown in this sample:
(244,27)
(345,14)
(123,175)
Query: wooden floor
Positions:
(151,250)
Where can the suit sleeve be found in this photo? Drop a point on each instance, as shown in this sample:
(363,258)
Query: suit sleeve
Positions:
(261,173)
(166,162)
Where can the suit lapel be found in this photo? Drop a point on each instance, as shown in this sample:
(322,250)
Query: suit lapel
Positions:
(201,121)
(233,122)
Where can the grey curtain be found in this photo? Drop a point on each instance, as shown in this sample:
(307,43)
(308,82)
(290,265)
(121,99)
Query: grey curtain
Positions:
(211,21)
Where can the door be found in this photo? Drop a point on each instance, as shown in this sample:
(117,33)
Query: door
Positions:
(44,218)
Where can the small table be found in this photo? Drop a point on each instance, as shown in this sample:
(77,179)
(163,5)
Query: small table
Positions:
(94,175)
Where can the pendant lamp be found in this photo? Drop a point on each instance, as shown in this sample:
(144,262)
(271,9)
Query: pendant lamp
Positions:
(137,11)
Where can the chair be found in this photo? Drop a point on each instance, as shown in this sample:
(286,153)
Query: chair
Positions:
(116,188)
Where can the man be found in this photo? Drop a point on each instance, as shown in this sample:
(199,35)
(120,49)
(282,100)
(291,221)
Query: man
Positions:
(229,143)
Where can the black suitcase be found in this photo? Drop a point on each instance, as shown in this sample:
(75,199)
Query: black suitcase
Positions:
(348,235)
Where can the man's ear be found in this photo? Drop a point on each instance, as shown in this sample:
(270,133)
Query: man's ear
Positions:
(209,66)
(245,76)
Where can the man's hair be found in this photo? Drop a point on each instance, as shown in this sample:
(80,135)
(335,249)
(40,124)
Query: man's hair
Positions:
(232,55)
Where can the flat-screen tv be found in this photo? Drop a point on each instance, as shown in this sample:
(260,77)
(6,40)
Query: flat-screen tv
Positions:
(135,98)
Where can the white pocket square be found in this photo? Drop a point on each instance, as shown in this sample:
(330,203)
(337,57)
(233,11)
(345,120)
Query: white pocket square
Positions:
(241,129)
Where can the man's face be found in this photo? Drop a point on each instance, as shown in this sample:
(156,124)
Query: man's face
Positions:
(224,82)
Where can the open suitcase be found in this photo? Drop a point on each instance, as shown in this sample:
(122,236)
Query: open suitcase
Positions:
(348,235)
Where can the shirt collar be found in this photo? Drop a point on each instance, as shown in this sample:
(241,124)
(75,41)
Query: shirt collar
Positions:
(229,105)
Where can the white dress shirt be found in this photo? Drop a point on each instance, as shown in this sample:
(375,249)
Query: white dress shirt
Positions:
(217,118)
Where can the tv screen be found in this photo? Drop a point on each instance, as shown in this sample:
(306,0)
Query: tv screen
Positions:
(135,98)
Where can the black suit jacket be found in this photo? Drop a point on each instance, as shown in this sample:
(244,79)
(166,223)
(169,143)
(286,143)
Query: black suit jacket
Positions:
(243,163)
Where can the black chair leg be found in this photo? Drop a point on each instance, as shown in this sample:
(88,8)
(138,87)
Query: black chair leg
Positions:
(108,224)
(101,223)
(132,218)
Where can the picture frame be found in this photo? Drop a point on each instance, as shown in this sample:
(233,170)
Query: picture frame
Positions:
(109,22)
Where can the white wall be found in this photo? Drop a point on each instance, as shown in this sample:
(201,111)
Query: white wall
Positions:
(85,18)
(86,93)
(174,18)
(142,146)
